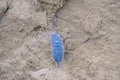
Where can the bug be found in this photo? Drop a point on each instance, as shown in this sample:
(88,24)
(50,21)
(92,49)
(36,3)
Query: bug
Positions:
(56,45)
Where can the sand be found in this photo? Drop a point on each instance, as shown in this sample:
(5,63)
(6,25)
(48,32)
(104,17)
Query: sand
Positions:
(90,30)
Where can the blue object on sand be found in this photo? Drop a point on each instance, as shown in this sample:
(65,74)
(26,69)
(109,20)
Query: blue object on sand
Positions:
(57,45)
(57,48)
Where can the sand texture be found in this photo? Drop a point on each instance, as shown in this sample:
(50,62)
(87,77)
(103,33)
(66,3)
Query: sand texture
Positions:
(90,30)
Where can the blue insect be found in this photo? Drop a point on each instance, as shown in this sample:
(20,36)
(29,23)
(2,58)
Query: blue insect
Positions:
(56,45)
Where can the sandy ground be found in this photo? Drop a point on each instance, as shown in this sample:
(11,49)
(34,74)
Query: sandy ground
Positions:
(90,30)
